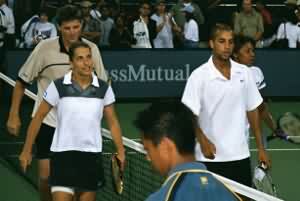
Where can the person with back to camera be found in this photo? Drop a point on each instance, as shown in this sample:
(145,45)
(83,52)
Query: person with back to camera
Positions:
(168,134)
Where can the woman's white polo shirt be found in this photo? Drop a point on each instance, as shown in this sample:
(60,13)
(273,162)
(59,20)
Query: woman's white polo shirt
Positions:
(79,113)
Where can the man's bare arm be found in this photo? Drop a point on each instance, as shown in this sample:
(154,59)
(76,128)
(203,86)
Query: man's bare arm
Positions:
(13,123)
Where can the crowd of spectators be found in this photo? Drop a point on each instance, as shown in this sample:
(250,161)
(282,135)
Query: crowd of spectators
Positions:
(152,24)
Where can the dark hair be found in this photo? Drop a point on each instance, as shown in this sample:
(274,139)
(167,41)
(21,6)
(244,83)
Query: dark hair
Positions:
(68,13)
(218,28)
(145,2)
(168,119)
(240,41)
(75,46)
(290,16)
(189,16)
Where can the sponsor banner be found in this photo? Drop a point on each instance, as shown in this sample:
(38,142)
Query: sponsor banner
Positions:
(163,73)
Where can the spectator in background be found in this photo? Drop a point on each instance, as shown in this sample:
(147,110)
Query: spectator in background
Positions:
(120,36)
(291,4)
(3,29)
(40,30)
(267,17)
(144,29)
(164,37)
(25,28)
(179,17)
(297,11)
(9,21)
(289,30)
(90,27)
(191,30)
(249,22)
(114,8)
(106,25)
(95,12)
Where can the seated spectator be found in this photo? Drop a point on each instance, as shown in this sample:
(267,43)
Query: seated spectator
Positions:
(164,37)
(289,30)
(168,134)
(144,29)
(106,25)
(191,30)
(90,27)
(120,36)
(39,30)
(249,22)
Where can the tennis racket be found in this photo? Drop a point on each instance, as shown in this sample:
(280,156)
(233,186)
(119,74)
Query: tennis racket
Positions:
(262,180)
(117,174)
(288,126)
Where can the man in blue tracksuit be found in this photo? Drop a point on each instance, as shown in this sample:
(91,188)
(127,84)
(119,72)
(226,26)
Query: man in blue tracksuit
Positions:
(168,134)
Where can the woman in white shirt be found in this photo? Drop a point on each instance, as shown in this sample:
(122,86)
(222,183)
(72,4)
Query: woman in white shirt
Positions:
(81,100)
(244,53)
(164,26)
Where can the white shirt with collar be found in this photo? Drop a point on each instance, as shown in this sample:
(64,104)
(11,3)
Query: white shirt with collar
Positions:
(79,113)
(221,106)
(9,19)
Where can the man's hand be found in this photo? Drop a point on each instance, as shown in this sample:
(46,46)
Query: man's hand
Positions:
(13,124)
(207,147)
(121,157)
(263,158)
(25,159)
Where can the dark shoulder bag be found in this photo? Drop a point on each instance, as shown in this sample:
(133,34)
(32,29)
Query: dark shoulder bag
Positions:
(282,43)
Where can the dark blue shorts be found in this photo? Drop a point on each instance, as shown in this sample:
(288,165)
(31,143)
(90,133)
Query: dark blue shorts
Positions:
(82,171)
(239,171)
(43,142)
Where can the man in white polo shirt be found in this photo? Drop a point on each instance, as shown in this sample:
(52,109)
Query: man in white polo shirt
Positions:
(49,61)
(222,95)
